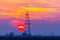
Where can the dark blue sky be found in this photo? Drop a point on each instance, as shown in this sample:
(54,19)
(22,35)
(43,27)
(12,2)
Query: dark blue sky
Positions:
(38,27)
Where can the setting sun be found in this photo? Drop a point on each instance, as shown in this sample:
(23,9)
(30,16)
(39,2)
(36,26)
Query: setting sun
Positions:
(20,27)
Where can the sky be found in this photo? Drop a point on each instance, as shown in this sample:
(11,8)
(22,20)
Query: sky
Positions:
(44,13)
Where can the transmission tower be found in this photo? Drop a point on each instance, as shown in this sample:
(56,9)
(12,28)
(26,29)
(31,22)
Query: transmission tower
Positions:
(27,25)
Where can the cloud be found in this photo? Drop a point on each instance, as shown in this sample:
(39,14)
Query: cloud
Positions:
(38,9)
(20,13)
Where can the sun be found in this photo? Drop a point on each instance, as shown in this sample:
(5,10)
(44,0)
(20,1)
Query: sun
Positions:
(20,27)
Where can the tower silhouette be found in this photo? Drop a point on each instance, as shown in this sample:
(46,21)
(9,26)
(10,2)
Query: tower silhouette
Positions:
(27,25)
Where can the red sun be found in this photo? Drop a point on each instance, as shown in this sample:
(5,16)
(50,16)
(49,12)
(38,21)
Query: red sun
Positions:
(20,27)
(18,24)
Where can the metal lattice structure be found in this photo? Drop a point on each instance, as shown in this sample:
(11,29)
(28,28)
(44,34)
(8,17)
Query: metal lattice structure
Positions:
(27,24)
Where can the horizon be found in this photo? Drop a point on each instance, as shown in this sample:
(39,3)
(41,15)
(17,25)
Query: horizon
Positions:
(44,16)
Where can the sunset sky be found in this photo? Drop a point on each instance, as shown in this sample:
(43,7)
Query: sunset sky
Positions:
(39,9)
(12,12)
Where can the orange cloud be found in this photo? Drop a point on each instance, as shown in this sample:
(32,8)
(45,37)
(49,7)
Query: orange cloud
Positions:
(20,12)
(38,9)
